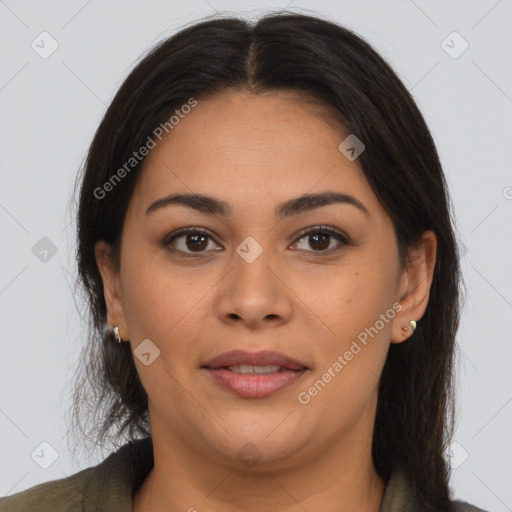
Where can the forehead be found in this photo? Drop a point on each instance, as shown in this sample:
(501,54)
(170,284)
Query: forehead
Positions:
(251,149)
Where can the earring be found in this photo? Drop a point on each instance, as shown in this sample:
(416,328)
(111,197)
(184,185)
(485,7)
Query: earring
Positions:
(116,334)
(412,324)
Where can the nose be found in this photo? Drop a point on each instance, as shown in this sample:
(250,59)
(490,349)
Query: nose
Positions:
(254,294)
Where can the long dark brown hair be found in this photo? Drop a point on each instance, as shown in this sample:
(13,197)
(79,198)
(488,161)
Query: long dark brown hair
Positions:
(326,62)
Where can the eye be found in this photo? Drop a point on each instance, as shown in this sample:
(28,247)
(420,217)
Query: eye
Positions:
(319,239)
(194,241)
(189,240)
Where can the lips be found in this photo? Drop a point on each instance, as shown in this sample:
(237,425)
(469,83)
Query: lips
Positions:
(235,371)
(264,358)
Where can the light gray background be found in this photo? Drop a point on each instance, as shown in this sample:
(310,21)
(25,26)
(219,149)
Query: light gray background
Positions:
(51,107)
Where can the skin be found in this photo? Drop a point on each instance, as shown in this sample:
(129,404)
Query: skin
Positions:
(255,152)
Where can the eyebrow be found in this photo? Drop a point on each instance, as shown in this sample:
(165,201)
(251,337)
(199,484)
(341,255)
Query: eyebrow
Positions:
(214,206)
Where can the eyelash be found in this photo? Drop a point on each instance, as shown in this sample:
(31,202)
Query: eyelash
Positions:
(325,230)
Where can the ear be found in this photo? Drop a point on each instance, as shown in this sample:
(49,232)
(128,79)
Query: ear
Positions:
(111,288)
(414,287)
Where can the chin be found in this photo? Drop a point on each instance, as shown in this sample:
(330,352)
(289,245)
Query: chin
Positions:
(259,444)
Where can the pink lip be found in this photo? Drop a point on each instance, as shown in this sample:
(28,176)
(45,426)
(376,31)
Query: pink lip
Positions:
(255,386)
(263,358)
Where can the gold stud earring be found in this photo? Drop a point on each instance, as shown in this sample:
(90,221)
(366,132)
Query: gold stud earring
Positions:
(116,334)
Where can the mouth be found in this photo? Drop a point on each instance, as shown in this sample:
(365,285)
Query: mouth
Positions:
(263,359)
(254,375)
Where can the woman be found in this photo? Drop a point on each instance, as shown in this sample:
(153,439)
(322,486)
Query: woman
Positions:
(265,237)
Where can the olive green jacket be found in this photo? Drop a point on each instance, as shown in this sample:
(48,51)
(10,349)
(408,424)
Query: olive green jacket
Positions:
(109,487)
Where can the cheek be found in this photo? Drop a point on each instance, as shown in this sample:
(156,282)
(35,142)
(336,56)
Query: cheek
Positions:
(161,304)
(349,300)
(353,351)
(155,297)
(356,308)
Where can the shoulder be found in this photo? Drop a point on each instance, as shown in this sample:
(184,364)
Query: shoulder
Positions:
(400,496)
(65,494)
(106,486)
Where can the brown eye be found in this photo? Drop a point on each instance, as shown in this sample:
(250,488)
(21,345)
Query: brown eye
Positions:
(189,241)
(195,241)
(319,239)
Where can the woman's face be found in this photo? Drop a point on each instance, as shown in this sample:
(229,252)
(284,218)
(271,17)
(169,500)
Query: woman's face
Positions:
(255,282)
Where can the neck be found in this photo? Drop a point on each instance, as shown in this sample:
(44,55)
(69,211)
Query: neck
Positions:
(341,479)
